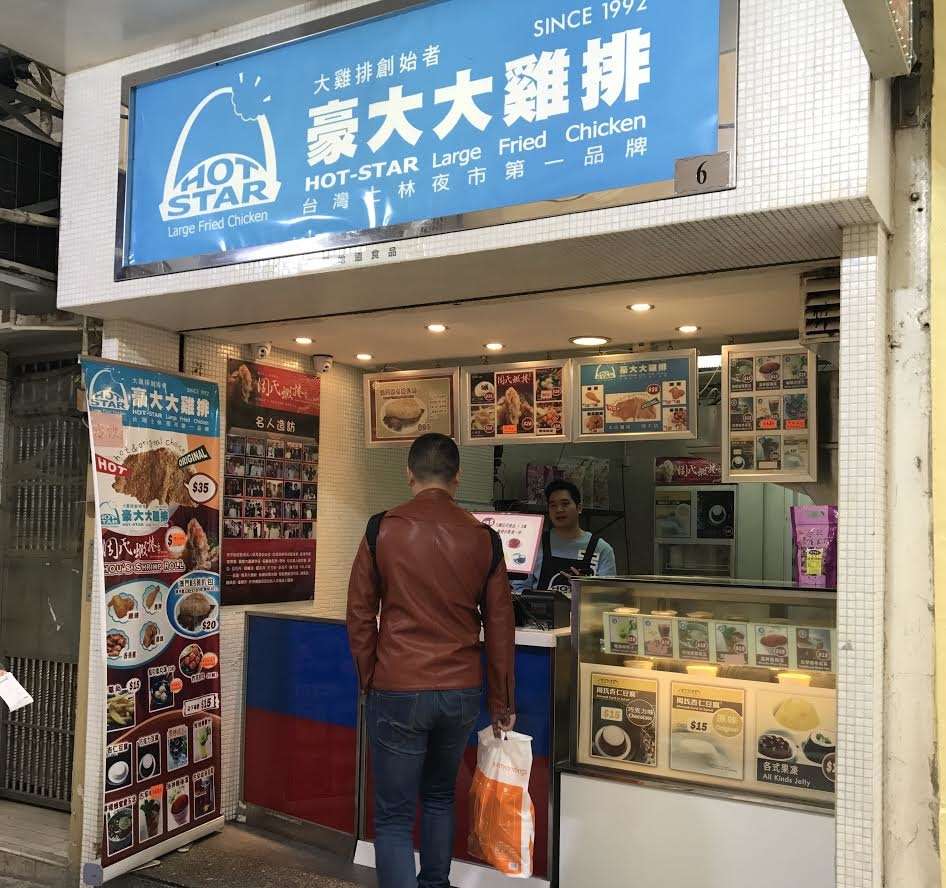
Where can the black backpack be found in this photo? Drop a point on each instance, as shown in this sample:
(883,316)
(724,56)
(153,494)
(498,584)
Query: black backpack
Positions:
(374,528)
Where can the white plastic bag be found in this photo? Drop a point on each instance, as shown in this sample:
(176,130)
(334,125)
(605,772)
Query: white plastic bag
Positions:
(502,817)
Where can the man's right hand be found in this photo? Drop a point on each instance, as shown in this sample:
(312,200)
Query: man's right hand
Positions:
(503,724)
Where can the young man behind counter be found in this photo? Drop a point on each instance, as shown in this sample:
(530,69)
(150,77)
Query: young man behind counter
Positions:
(438,576)
(567,550)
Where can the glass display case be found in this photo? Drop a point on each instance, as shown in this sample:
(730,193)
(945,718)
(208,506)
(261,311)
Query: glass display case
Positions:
(710,682)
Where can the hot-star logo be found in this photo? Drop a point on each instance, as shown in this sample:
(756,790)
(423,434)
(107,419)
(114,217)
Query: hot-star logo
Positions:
(605,373)
(106,392)
(226,180)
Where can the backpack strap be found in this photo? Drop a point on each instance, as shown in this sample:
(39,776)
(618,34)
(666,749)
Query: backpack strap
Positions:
(371,537)
(498,554)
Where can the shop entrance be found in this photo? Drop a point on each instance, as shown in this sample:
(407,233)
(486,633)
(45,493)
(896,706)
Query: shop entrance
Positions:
(633,495)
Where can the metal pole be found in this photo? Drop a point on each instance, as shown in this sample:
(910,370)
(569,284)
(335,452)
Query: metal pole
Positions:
(21,217)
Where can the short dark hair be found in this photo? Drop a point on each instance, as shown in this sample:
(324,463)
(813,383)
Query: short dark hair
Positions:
(567,486)
(434,457)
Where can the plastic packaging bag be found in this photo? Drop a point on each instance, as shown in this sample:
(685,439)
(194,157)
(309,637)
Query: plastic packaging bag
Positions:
(502,817)
(815,534)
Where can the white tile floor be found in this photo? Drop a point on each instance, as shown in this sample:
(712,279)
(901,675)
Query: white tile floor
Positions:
(35,832)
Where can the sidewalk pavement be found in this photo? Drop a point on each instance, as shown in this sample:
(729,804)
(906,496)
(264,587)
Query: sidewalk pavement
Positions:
(240,857)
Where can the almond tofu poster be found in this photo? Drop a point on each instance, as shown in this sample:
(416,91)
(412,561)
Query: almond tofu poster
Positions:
(271,473)
(156,450)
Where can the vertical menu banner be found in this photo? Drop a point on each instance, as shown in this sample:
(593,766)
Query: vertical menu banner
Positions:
(271,484)
(155,445)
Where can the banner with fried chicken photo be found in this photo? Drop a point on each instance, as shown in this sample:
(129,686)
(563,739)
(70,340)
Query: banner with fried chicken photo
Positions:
(156,452)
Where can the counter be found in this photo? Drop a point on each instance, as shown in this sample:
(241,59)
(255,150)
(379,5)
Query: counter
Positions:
(702,712)
(306,769)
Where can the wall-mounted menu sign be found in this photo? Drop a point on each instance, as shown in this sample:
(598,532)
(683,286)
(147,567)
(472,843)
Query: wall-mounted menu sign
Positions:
(403,405)
(512,403)
(770,430)
(636,396)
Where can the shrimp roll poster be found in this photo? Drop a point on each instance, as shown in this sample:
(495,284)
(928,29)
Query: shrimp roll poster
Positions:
(637,396)
(156,449)
(270,486)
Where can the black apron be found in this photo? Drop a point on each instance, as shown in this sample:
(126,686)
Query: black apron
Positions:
(556,573)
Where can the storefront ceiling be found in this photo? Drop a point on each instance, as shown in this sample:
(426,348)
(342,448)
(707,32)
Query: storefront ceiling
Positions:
(69,35)
(744,304)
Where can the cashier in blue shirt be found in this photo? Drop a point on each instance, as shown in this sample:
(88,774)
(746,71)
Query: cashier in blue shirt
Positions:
(567,550)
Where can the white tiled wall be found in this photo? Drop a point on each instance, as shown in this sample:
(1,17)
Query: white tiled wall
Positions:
(862,502)
(803,132)
(354,483)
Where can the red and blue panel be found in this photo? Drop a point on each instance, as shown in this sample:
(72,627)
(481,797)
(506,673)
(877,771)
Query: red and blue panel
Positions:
(534,710)
(300,728)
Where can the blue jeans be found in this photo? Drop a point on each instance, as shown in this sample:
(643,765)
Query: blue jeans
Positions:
(417,742)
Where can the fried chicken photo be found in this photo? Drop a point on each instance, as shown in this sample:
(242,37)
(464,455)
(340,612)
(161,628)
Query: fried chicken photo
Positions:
(155,477)
(512,407)
(633,409)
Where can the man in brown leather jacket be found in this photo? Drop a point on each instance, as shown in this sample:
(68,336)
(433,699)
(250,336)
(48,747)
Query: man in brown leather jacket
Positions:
(438,576)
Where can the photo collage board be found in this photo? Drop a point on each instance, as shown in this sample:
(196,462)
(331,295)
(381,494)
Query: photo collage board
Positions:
(270,487)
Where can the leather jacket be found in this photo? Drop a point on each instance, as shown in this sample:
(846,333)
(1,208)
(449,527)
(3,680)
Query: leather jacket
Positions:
(435,593)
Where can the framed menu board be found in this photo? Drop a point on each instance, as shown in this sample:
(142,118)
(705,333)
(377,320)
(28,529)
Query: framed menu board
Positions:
(402,405)
(770,427)
(636,396)
(516,403)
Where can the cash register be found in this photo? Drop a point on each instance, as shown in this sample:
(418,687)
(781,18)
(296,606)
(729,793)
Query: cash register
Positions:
(542,610)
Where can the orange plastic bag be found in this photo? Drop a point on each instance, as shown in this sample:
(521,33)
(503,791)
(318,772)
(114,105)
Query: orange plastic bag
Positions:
(502,817)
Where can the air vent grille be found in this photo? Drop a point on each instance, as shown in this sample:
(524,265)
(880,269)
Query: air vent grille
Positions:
(821,306)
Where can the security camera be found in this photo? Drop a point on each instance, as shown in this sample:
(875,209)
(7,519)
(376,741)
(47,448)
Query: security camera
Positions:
(321,364)
(261,350)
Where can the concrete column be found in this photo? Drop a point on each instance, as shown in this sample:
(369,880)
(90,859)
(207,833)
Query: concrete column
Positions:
(911,855)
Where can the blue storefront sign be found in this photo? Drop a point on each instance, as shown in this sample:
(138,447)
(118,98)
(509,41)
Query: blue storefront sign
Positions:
(440,111)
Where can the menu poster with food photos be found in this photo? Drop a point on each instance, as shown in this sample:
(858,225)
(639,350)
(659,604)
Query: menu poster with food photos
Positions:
(402,405)
(769,421)
(637,396)
(156,449)
(516,403)
(270,487)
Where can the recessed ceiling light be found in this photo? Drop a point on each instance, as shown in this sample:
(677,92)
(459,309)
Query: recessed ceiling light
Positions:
(688,328)
(589,340)
(641,307)
(494,346)
(303,340)
(363,356)
(436,328)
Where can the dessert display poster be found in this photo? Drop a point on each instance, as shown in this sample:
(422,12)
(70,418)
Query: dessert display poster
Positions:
(270,495)
(155,446)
